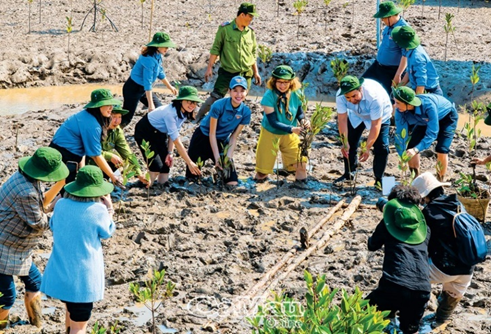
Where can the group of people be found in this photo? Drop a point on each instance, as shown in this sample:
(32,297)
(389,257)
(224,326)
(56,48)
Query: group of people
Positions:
(92,143)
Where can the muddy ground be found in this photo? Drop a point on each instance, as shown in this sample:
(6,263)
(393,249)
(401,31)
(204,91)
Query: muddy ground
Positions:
(216,243)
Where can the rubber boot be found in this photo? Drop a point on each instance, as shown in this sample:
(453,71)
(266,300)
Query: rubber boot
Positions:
(415,170)
(34,311)
(205,107)
(446,306)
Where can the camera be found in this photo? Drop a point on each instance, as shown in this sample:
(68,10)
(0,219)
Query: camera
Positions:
(381,203)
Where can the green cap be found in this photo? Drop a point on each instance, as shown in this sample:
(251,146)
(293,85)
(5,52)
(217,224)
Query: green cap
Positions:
(89,182)
(248,8)
(283,72)
(405,37)
(405,222)
(406,95)
(102,97)
(387,9)
(188,93)
(45,165)
(161,40)
(117,109)
(349,83)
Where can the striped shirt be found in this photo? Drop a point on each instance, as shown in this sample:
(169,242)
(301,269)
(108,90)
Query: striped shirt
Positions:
(22,222)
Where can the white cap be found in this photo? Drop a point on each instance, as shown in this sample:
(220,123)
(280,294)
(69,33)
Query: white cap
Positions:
(426,182)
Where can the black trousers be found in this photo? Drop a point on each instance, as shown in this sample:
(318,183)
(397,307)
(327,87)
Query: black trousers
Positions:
(158,144)
(132,94)
(411,304)
(382,74)
(72,161)
(200,147)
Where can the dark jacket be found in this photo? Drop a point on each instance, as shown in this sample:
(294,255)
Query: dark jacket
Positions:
(443,245)
(404,264)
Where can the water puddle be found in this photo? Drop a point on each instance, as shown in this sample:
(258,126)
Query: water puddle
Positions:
(15,101)
(142,314)
(166,330)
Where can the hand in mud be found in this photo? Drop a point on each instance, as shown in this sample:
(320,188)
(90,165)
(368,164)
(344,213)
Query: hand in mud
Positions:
(116,160)
(118,183)
(194,169)
(143,179)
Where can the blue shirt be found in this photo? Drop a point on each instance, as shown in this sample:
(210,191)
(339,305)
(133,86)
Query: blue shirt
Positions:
(270,99)
(421,70)
(375,104)
(229,118)
(147,69)
(389,53)
(80,134)
(432,109)
(75,269)
(165,120)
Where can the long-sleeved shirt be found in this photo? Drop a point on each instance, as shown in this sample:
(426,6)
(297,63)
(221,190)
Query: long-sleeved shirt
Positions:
(147,69)
(22,223)
(432,109)
(421,70)
(237,49)
(389,53)
(116,144)
(75,269)
(165,120)
(404,264)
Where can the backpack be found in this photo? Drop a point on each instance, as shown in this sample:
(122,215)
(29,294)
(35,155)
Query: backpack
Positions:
(471,242)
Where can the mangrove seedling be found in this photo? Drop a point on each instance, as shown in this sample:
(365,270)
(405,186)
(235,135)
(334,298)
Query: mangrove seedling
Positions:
(265,53)
(29,19)
(299,6)
(200,164)
(326,2)
(227,165)
(100,329)
(320,311)
(340,68)
(149,154)
(449,29)
(128,171)
(423,7)
(274,151)
(141,3)
(474,79)
(69,28)
(402,141)
(154,293)
(344,142)
(321,116)
(362,149)
(405,4)
(439,8)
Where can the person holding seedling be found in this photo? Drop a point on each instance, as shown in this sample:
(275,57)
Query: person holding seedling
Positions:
(283,120)
(363,104)
(421,74)
(487,121)
(115,148)
(148,68)
(82,133)
(424,118)
(405,284)
(235,44)
(216,137)
(75,270)
(389,65)
(160,128)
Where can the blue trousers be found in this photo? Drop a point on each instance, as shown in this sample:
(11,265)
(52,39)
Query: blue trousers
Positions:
(380,149)
(32,283)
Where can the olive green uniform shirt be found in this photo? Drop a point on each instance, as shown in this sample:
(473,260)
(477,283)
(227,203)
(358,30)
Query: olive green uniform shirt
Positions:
(116,144)
(236,49)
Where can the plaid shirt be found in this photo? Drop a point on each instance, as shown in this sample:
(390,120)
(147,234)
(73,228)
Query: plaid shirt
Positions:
(22,222)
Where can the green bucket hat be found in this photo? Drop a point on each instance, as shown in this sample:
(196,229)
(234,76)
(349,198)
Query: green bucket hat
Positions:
(487,120)
(387,9)
(162,40)
(283,72)
(89,182)
(188,93)
(405,37)
(45,165)
(349,83)
(405,222)
(248,8)
(117,109)
(102,97)
(406,95)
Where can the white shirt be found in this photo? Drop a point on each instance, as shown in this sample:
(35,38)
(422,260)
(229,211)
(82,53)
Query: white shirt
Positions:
(375,104)
(165,120)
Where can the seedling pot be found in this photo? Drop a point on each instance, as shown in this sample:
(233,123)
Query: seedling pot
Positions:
(477,207)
